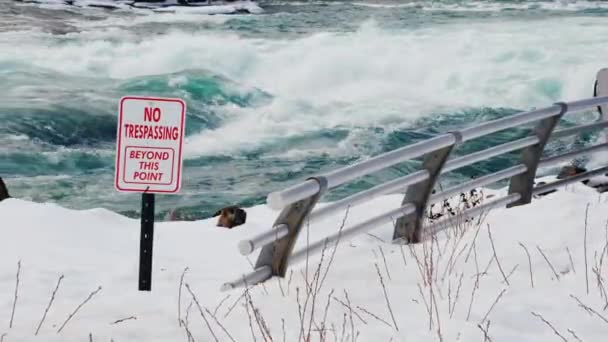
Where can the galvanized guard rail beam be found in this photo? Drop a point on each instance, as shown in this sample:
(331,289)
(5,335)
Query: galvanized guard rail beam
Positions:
(298,202)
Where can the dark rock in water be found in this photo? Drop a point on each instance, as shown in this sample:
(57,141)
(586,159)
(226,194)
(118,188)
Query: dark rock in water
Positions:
(3,191)
(230,217)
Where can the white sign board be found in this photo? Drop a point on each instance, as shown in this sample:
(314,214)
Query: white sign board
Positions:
(149,143)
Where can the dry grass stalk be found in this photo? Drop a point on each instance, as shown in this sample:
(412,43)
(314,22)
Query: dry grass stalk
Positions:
(323,322)
(289,281)
(347,308)
(550,325)
(78,308)
(283,327)
(512,271)
(200,309)
(428,309)
(600,285)
(457,294)
(434,302)
(403,255)
(494,304)
(388,274)
(50,303)
(466,260)
(496,256)
(574,335)
(220,304)
(235,303)
(589,309)
(529,263)
(486,336)
(571,262)
(548,262)
(16,294)
(350,313)
(123,319)
(375,316)
(188,333)
(220,325)
(456,259)
(179,297)
(388,303)
(476,285)
(420,267)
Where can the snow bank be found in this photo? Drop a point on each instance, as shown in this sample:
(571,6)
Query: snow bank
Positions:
(99,248)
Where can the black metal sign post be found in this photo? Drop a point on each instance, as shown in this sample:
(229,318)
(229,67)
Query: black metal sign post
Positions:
(146,242)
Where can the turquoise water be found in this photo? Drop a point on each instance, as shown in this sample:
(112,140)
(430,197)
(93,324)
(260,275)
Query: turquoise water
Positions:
(302,88)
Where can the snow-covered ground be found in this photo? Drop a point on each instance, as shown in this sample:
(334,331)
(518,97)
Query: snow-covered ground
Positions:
(95,249)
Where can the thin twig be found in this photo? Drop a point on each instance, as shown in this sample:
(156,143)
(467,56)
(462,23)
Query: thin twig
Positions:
(78,308)
(124,319)
(492,307)
(350,309)
(550,325)
(388,274)
(220,325)
(200,309)
(512,271)
(179,297)
(388,303)
(486,336)
(16,294)
(529,263)
(220,305)
(50,303)
(234,304)
(548,262)
(188,333)
(374,316)
(346,306)
(457,293)
(571,262)
(574,334)
(496,256)
(589,309)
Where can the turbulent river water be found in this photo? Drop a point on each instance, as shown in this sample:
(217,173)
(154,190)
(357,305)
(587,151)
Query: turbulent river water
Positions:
(274,97)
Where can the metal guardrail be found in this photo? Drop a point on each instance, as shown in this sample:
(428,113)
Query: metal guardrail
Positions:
(297,202)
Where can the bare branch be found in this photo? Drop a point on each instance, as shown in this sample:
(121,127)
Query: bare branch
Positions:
(550,325)
(179,297)
(16,294)
(548,262)
(50,303)
(78,308)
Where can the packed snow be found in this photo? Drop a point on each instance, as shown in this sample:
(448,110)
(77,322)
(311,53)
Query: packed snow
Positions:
(373,290)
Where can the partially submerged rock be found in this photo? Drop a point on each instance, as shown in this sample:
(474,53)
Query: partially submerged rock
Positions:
(3,191)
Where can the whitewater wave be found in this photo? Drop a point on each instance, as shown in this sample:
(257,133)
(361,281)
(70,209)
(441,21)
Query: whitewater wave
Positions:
(334,79)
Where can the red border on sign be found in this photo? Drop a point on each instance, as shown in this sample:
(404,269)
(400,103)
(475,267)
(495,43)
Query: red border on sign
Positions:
(124,170)
(119,139)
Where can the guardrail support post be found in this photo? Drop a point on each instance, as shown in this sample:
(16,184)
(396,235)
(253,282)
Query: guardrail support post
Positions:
(409,228)
(601,89)
(276,254)
(523,184)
